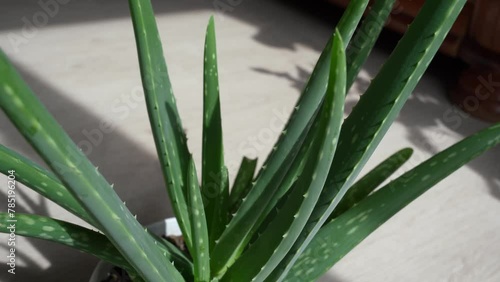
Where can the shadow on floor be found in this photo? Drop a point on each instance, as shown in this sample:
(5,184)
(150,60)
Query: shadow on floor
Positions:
(27,18)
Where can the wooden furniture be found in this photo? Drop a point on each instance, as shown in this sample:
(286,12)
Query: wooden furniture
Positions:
(475,39)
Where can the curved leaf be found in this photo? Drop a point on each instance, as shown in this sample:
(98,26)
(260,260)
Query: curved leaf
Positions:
(168,133)
(376,110)
(41,181)
(259,260)
(78,174)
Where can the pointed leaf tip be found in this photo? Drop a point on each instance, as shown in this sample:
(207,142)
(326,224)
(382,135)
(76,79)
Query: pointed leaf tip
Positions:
(407,152)
(211,25)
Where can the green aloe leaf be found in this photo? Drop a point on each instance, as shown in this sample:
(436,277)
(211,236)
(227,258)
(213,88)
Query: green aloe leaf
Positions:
(339,237)
(82,239)
(347,26)
(365,38)
(200,249)
(246,220)
(222,257)
(376,110)
(242,183)
(277,208)
(293,173)
(259,260)
(215,192)
(368,183)
(41,181)
(168,133)
(178,258)
(64,233)
(78,174)
(49,186)
(350,19)
(374,113)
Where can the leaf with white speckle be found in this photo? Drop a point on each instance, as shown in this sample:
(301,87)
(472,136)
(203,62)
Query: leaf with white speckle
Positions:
(247,220)
(376,110)
(64,233)
(340,236)
(361,46)
(200,248)
(170,138)
(214,189)
(41,181)
(371,181)
(260,259)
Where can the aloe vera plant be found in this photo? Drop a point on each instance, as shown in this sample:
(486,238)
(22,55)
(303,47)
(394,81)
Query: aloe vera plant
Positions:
(293,219)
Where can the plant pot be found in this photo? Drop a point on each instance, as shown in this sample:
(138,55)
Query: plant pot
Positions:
(167,227)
